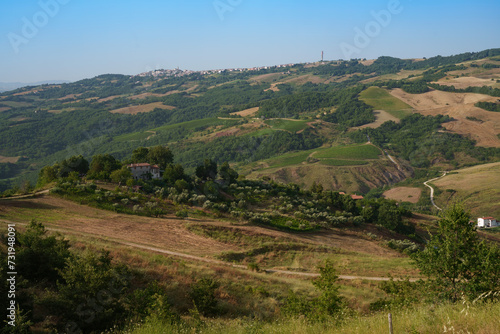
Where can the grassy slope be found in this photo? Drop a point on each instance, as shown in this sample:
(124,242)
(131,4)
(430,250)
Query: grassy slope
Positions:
(478,187)
(287,125)
(459,318)
(380,99)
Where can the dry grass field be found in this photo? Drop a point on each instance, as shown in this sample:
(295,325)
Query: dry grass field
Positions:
(381,117)
(404,194)
(12,160)
(478,187)
(134,110)
(247,112)
(459,106)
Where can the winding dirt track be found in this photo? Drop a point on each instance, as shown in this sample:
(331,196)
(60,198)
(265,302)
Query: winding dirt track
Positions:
(426,183)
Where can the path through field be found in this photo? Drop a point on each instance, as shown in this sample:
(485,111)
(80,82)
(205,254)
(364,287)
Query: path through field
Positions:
(193,257)
(426,183)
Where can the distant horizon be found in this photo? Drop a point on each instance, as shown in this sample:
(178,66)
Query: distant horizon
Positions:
(57,81)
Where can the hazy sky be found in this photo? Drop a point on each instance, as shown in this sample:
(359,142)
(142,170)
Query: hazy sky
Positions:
(76,39)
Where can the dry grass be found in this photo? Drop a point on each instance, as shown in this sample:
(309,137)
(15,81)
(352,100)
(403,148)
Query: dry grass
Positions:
(134,110)
(464,82)
(247,112)
(4,109)
(11,160)
(404,194)
(478,186)
(381,117)
(459,106)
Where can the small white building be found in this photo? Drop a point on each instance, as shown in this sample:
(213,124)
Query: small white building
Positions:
(487,222)
(144,171)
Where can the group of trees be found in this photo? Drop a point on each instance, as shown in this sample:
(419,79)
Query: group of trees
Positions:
(417,139)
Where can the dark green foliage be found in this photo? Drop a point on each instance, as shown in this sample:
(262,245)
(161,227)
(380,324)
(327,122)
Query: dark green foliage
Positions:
(62,169)
(207,171)
(203,296)
(102,166)
(456,262)
(121,175)
(415,87)
(40,257)
(487,90)
(90,292)
(328,304)
(416,139)
(227,174)
(161,156)
(174,173)
(490,106)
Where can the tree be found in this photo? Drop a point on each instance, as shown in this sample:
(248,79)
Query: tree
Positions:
(207,171)
(203,295)
(173,173)
(227,174)
(330,300)
(161,156)
(102,165)
(39,257)
(90,291)
(140,154)
(455,261)
(74,164)
(121,175)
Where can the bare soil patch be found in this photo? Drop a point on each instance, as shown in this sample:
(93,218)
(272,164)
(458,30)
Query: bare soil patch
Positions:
(4,109)
(459,106)
(11,160)
(404,194)
(134,110)
(246,112)
(381,116)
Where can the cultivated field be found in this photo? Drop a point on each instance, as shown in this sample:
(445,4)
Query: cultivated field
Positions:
(134,110)
(478,187)
(404,194)
(356,254)
(287,125)
(380,99)
(247,112)
(459,106)
(464,82)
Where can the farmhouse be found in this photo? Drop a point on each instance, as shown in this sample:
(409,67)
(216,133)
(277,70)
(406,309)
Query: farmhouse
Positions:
(487,222)
(144,171)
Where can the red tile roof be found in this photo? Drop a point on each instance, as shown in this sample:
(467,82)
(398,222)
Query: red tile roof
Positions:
(357,197)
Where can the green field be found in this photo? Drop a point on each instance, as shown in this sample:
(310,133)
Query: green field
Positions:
(289,159)
(199,123)
(351,152)
(380,99)
(287,125)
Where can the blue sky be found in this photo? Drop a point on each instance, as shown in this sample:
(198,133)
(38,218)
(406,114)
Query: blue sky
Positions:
(76,39)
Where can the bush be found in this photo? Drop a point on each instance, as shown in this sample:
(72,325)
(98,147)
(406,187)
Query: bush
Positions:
(203,296)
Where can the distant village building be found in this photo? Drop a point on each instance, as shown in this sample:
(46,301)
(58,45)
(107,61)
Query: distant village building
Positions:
(145,171)
(487,222)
